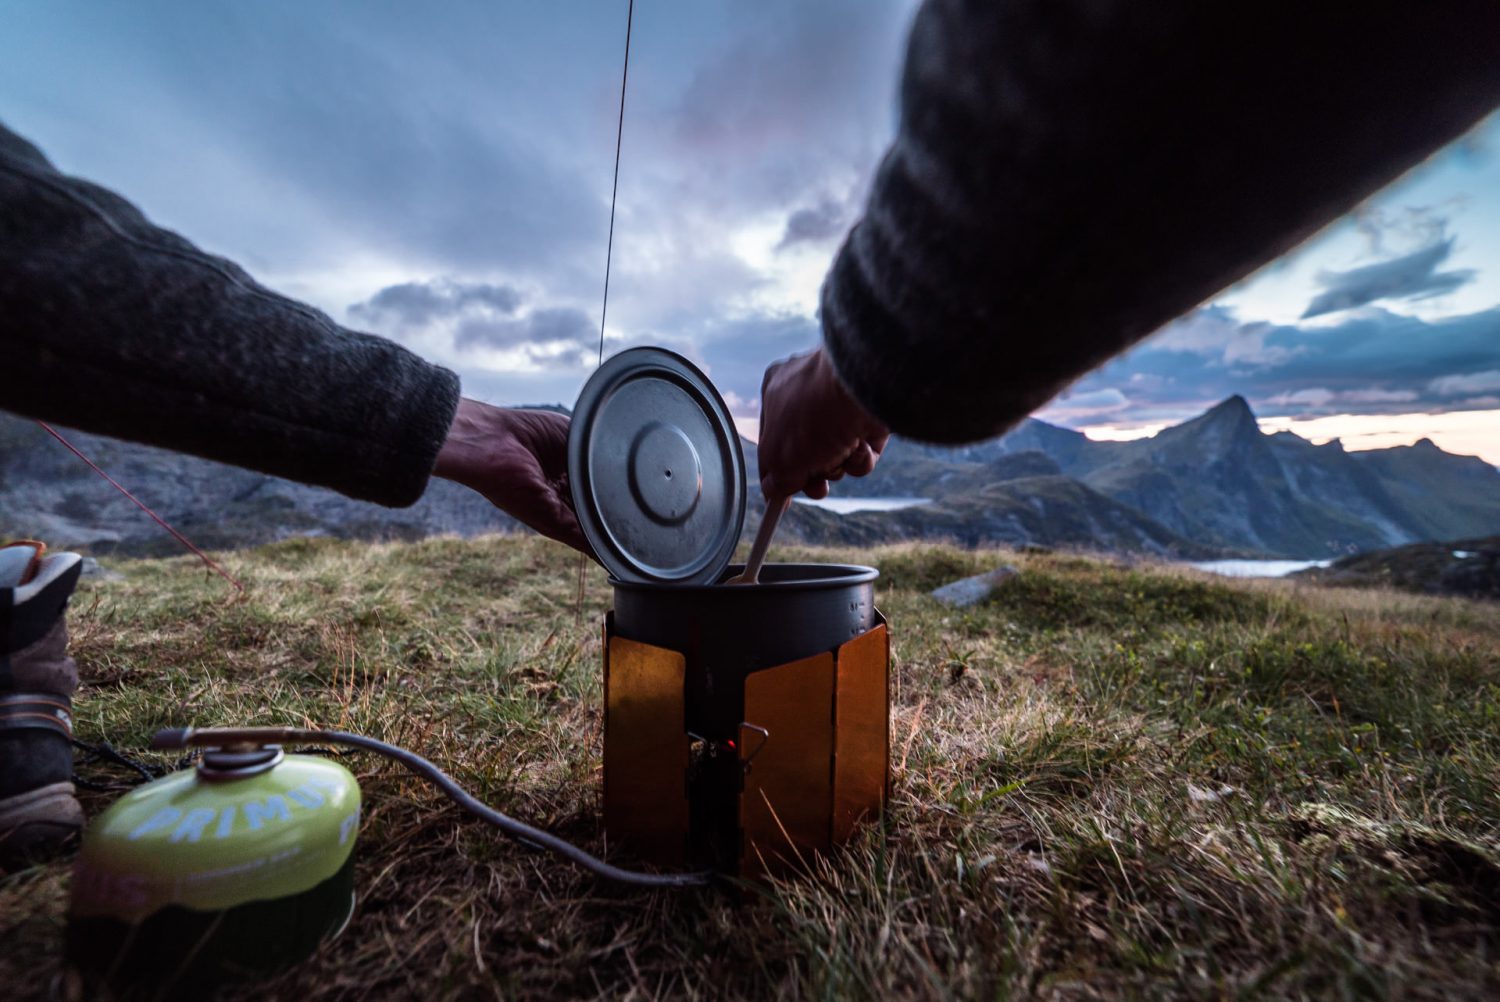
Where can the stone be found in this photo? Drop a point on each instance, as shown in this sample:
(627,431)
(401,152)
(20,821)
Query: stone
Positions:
(91,568)
(965,592)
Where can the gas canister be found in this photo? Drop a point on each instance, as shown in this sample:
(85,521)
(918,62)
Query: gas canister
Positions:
(235,869)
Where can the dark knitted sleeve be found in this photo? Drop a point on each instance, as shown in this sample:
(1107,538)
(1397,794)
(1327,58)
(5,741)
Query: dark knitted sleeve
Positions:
(115,326)
(1069,175)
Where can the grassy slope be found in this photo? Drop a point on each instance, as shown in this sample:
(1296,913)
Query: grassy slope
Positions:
(1058,754)
(1427,568)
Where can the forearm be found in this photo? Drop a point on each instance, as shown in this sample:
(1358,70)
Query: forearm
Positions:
(1068,177)
(110,324)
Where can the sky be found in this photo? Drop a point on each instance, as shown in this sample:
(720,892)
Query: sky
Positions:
(440,174)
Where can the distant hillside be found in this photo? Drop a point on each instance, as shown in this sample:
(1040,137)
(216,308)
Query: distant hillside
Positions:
(1051,510)
(1467,567)
(1444,495)
(47,493)
(1212,486)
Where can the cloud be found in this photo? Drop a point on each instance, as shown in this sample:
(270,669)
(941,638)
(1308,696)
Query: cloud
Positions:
(1204,332)
(1248,350)
(377,133)
(791,71)
(1477,382)
(739,405)
(1417,226)
(1320,398)
(1315,397)
(735,351)
(1370,362)
(475,320)
(1414,276)
(815,224)
(798,99)
(1088,405)
(1378,396)
(415,304)
(554,338)
(1215,334)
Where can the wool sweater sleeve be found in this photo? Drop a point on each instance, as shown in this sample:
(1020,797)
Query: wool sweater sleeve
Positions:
(1069,175)
(115,326)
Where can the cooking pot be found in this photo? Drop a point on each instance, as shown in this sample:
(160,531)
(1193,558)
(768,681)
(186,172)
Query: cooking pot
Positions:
(726,632)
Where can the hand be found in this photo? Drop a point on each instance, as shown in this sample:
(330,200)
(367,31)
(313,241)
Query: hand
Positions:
(811,430)
(519,460)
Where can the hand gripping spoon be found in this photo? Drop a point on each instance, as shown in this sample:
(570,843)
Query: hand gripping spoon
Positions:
(774,510)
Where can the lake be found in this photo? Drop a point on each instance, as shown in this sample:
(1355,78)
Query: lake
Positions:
(846,506)
(1257,568)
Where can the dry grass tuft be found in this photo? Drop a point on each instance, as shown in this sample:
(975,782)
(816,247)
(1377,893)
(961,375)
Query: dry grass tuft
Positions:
(1111,782)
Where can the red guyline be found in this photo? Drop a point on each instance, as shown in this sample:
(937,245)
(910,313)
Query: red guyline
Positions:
(212,565)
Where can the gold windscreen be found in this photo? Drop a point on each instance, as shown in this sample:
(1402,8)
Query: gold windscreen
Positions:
(645,750)
(787,803)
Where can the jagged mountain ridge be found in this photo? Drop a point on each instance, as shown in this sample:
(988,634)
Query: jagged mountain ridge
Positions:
(1220,480)
(1222,483)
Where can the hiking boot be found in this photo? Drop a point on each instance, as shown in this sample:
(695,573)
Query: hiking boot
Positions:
(39,813)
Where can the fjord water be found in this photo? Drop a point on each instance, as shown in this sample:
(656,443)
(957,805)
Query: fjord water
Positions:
(1257,568)
(846,506)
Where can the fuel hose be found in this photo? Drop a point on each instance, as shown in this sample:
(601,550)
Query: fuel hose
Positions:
(224,737)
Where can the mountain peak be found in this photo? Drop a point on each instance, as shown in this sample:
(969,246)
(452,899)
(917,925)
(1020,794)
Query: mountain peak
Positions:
(1236,406)
(1227,426)
(1231,416)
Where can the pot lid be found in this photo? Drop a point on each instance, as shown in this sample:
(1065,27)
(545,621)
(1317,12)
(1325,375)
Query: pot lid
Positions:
(656,471)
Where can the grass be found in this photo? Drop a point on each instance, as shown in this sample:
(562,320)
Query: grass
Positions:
(1110,782)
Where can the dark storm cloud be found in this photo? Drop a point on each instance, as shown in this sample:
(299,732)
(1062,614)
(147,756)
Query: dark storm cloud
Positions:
(783,72)
(802,95)
(415,304)
(501,298)
(1375,362)
(736,351)
(1414,276)
(426,180)
(549,330)
(1408,225)
(406,130)
(815,224)
(474,316)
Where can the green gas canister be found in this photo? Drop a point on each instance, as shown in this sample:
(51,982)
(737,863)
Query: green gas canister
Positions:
(233,870)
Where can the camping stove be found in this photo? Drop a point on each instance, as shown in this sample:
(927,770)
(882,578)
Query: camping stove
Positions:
(746,727)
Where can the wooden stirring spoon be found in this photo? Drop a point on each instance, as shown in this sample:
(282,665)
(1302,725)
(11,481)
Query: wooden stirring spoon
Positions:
(762,542)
